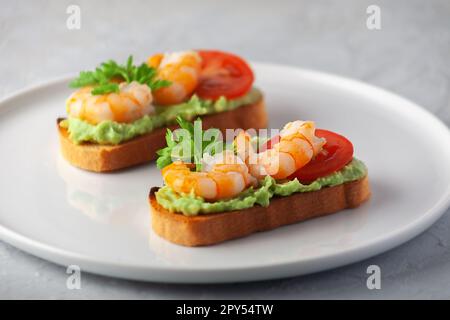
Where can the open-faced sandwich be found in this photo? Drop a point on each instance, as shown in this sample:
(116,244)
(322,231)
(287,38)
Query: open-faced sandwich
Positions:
(119,114)
(215,191)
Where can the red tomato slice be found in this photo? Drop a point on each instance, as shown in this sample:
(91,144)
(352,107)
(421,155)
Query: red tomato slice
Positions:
(223,74)
(336,153)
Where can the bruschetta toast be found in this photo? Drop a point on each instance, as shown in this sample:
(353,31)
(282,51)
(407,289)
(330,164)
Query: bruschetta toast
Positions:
(119,114)
(246,186)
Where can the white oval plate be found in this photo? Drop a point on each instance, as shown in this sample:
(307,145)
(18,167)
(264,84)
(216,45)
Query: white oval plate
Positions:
(101,221)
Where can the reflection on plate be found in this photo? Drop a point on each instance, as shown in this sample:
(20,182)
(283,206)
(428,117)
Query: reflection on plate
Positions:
(98,197)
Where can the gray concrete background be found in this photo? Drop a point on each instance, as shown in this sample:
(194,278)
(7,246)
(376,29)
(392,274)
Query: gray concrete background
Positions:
(409,56)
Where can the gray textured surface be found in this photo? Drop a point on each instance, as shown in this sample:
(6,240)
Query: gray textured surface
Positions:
(409,56)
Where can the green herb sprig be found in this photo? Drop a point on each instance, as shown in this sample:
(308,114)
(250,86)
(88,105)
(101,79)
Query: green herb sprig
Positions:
(191,145)
(104,78)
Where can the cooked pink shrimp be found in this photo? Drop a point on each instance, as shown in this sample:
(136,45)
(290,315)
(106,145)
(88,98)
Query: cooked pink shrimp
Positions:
(131,103)
(220,181)
(297,146)
(182,69)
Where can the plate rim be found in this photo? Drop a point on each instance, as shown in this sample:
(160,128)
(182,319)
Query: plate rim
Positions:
(377,245)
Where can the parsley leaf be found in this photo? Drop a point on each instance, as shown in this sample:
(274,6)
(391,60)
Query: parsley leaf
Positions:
(105,77)
(105,88)
(194,140)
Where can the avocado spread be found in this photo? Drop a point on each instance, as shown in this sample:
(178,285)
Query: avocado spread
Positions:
(191,205)
(111,132)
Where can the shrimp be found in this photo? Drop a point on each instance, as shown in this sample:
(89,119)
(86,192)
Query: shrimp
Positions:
(221,178)
(297,146)
(131,103)
(182,69)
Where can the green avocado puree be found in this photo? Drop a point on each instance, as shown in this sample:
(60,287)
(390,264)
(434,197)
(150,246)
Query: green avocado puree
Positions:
(111,132)
(191,205)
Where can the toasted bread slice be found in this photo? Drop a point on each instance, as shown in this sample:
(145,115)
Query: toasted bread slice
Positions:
(213,228)
(101,158)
